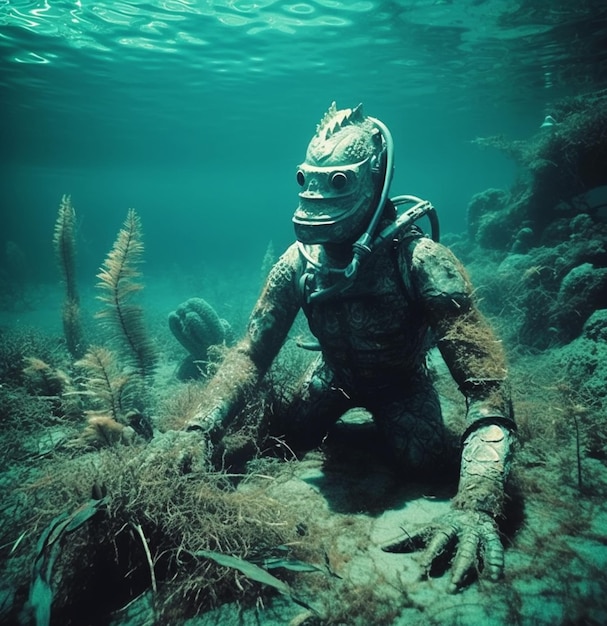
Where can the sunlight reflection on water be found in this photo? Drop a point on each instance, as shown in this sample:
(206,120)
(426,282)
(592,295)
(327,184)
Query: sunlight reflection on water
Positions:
(173,55)
(161,24)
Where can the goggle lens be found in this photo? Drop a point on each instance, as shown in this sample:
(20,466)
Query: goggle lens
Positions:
(329,182)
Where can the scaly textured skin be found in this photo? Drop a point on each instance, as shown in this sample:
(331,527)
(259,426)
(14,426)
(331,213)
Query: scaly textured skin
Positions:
(470,530)
(343,136)
(373,342)
(373,338)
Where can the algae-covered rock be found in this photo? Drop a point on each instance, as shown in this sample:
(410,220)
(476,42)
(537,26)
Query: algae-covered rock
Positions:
(481,204)
(561,167)
(585,359)
(583,290)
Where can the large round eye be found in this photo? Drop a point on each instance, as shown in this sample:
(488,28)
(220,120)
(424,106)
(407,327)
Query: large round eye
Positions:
(339,180)
(301,178)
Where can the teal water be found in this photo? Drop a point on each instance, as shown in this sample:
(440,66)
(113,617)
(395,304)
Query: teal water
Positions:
(196,112)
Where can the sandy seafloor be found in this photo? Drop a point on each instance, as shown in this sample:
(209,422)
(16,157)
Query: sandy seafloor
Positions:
(556,549)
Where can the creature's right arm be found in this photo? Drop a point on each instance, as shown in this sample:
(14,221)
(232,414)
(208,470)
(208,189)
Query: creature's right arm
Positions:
(247,362)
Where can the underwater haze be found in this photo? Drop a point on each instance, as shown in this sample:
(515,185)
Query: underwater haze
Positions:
(149,154)
(197,112)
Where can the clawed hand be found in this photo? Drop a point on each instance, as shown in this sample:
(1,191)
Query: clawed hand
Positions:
(471,536)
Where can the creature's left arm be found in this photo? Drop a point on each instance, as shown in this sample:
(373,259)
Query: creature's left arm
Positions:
(476,361)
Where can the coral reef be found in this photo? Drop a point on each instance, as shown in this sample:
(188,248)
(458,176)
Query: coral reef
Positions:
(545,296)
(548,233)
(558,167)
(483,217)
(585,359)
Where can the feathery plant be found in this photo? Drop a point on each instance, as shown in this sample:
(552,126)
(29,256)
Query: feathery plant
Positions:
(64,242)
(112,391)
(118,283)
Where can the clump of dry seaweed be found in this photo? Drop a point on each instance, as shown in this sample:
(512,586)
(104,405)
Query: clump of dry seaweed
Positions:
(153,528)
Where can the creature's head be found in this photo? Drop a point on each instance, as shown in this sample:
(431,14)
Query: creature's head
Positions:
(341,178)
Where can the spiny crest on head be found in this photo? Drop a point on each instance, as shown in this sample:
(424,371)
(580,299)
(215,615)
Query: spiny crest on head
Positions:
(334,120)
